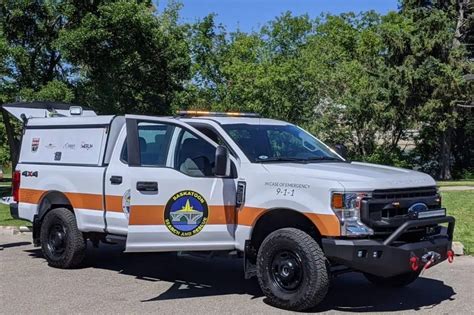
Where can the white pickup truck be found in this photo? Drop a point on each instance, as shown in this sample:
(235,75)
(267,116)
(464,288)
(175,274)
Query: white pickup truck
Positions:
(201,181)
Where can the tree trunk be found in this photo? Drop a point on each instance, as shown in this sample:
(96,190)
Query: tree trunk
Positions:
(445,155)
(445,152)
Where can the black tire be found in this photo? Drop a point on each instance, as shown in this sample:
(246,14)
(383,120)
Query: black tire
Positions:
(62,243)
(295,289)
(397,281)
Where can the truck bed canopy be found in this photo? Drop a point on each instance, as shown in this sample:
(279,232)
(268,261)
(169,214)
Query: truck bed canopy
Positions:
(26,110)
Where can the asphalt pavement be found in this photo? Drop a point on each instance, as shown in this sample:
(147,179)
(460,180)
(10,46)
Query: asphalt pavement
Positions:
(111,282)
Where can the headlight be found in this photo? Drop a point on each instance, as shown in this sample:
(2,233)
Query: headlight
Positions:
(347,208)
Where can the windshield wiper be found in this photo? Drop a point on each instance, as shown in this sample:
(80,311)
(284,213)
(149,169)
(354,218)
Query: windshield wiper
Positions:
(323,158)
(299,160)
(280,159)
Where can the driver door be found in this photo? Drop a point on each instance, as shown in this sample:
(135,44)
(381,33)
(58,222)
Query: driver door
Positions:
(177,203)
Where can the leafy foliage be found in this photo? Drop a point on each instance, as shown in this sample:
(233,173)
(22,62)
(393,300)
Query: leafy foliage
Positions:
(387,86)
(129,60)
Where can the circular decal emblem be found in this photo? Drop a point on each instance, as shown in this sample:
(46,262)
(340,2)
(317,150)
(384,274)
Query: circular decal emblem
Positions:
(186,213)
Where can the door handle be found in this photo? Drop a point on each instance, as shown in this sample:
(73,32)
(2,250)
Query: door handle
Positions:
(116,180)
(147,186)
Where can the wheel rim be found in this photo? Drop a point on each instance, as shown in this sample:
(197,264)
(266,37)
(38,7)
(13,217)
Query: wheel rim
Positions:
(287,270)
(56,240)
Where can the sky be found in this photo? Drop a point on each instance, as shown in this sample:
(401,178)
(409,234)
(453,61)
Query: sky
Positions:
(250,15)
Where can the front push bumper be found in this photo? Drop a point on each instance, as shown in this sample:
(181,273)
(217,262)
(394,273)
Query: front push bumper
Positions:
(389,257)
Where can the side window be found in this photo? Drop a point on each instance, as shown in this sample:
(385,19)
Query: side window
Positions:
(154,140)
(124,153)
(194,156)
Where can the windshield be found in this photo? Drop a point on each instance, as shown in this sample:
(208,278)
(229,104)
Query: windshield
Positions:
(278,143)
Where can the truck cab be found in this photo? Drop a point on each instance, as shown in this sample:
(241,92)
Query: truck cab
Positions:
(298,211)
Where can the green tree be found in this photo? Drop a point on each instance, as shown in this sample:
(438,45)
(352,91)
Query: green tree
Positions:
(258,72)
(128,60)
(436,63)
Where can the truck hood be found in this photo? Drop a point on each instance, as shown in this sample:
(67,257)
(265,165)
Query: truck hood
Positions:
(355,175)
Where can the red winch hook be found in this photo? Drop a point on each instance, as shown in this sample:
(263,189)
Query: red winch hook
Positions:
(450,254)
(414,263)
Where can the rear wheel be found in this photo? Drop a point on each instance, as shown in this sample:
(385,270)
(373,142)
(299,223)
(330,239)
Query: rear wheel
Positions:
(291,270)
(394,281)
(62,243)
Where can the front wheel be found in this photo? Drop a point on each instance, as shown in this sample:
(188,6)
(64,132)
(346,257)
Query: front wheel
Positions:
(291,270)
(394,281)
(62,243)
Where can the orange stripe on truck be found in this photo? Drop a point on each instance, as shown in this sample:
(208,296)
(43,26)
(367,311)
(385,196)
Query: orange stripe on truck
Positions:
(154,215)
(30,195)
(78,200)
(146,215)
(85,201)
(327,224)
(113,203)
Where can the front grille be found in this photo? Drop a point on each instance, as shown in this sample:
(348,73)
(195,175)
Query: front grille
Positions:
(404,193)
(387,209)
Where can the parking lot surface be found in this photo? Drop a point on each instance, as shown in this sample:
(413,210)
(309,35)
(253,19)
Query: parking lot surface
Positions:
(113,282)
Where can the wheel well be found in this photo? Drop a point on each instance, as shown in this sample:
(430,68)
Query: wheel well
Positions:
(277,219)
(51,200)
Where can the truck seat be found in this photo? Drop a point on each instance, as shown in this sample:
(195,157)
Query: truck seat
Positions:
(195,158)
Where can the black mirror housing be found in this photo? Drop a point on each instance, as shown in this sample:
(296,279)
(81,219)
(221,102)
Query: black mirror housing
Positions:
(222,162)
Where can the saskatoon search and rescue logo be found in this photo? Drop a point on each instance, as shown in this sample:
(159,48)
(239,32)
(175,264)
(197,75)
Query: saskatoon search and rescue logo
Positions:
(186,213)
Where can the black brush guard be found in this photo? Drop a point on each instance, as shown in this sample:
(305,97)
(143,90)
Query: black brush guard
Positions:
(390,257)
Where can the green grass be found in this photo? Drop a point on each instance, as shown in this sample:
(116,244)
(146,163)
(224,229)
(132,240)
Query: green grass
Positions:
(455,183)
(460,204)
(7,220)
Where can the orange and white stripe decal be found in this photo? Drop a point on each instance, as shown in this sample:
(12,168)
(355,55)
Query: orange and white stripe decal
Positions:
(327,224)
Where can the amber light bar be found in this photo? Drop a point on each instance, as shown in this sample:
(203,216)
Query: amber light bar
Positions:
(208,113)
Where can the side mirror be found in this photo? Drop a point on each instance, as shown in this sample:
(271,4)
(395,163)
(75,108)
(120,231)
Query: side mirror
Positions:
(341,150)
(222,162)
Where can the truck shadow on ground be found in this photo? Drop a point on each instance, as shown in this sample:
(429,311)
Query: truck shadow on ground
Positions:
(15,244)
(192,277)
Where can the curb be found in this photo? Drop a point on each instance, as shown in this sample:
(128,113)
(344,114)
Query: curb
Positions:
(456,188)
(14,230)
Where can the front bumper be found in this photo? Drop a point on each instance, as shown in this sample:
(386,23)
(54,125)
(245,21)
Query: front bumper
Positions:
(389,257)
